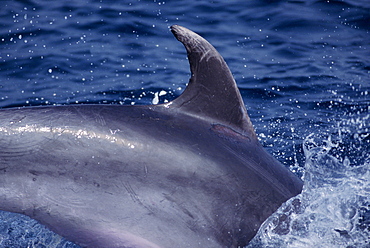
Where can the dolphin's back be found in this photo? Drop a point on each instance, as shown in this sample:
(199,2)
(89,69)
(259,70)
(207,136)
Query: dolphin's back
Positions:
(189,173)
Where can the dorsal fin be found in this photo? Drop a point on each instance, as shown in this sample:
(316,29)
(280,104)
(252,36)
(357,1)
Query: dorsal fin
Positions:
(212,91)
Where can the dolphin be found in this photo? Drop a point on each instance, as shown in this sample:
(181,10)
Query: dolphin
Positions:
(187,173)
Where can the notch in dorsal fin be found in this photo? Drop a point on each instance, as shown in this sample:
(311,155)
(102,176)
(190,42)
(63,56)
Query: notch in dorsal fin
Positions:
(212,91)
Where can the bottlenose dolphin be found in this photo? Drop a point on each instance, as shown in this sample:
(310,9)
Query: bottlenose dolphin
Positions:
(188,173)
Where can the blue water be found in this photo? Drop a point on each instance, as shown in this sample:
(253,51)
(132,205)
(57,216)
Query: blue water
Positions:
(303,68)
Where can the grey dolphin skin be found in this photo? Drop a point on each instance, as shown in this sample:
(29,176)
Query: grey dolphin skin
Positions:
(188,173)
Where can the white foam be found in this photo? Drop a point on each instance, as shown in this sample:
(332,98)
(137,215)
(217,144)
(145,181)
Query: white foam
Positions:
(334,208)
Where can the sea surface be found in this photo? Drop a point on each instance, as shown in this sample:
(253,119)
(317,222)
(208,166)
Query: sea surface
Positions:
(303,68)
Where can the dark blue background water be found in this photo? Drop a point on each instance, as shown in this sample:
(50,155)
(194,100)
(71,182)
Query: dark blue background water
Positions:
(302,66)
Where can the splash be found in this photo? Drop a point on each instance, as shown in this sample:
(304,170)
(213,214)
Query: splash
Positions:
(333,209)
